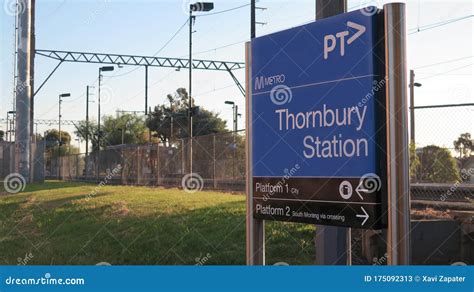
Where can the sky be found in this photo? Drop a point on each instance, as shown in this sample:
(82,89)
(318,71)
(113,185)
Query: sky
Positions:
(146,27)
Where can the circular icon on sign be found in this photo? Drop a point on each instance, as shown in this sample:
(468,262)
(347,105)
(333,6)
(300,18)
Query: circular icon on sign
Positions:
(345,189)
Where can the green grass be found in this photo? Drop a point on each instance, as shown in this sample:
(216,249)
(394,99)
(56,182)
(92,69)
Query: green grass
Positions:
(58,223)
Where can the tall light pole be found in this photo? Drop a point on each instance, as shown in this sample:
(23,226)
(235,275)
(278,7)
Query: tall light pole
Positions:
(412,86)
(59,142)
(252,19)
(234,114)
(196,7)
(101,69)
(234,132)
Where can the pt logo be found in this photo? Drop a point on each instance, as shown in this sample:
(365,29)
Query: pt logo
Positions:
(331,40)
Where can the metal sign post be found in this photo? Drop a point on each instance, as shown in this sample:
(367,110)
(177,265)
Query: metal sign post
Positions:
(398,233)
(255,231)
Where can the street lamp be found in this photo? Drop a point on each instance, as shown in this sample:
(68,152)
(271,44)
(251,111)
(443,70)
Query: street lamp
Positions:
(234,146)
(101,69)
(196,7)
(234,113)
(412,86)
(60,142)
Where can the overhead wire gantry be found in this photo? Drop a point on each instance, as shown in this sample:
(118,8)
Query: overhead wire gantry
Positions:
(134,60)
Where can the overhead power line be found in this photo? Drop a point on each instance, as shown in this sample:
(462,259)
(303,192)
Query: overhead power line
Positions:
(157,52)
(413,30)
(438,24)
(442,73)
(224,11)
(443,62)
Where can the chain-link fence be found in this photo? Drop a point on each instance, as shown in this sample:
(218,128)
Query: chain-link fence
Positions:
(439,159)
(442,192)
(217,159)
(7,153)
(7,160)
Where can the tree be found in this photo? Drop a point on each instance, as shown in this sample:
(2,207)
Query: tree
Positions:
(82,129)
(437,166)
(414,162)
(171,120)
(133,127)
(51,139)
(464,145)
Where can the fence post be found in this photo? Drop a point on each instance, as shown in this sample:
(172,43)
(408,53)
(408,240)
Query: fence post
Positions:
(214,161)
(122,169)
(139,164)
(182,157)
(158,164)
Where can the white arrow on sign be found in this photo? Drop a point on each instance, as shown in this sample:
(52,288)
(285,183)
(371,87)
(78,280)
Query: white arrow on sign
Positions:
(365,216)
(360,188)
(360,31)
(368,183)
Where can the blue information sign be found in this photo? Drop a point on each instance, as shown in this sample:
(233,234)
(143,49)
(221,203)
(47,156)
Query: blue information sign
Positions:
(318,122)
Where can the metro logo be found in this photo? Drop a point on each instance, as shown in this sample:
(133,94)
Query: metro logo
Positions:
(262,81)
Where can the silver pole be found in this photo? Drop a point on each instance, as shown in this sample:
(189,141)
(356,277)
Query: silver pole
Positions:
(190,101)
(59,145)
(23,91)
(255,231)
(412,106)
(398,233)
